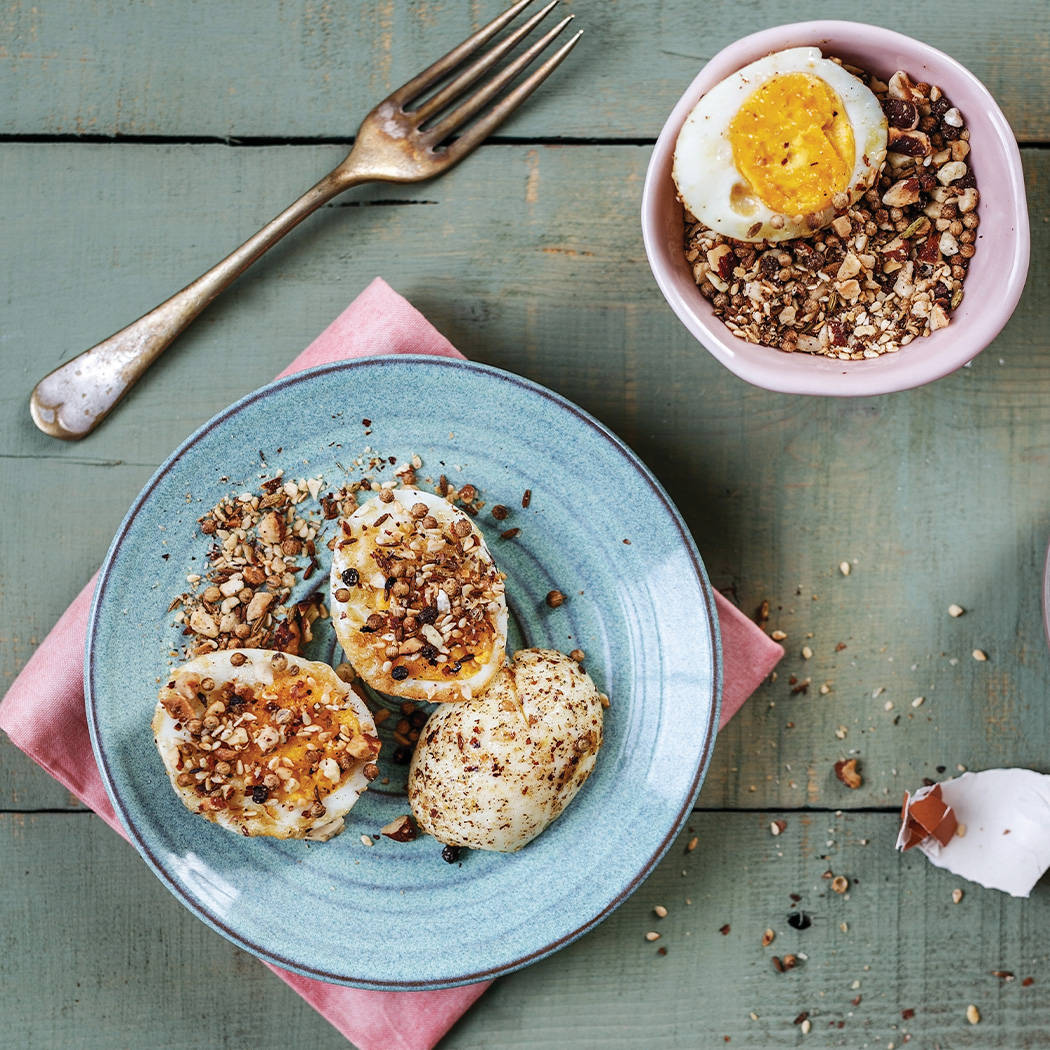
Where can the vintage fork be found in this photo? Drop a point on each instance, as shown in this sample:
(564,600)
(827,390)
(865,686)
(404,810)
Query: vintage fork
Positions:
(395,143)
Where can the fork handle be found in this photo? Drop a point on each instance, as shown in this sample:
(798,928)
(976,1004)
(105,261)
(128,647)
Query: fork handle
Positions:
(72,400)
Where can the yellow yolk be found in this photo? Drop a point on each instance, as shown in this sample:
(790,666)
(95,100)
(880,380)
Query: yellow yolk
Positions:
(793,143)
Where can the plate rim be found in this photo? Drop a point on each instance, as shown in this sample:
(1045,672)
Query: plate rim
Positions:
(414,361)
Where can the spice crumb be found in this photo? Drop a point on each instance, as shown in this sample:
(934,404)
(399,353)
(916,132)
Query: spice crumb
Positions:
(768,937)
(692,844)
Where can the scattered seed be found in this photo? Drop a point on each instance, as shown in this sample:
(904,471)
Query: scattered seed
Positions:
(652,935)
(844,568)
(973,1015)
(957,895)
(778,636)
(980,655)
(555,598)
(840,884)
(767,938)
(724,930)
(955,610)
(366,841)
(777,827)
(660,911)
(918,701)
(806,1026)
(807,653)
(692,844)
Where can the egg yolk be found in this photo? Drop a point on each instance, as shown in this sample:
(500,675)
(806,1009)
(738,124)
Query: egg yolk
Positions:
(793,143)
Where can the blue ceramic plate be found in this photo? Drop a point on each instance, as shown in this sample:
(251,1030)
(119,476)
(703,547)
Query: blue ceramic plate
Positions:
(599,528)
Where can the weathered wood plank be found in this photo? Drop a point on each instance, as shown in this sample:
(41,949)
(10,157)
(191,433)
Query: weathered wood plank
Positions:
(939,494)
(87,967)
(308,69)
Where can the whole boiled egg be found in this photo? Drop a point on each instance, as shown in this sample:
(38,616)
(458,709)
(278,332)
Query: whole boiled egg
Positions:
(265,743)
(778,148)
(493,772)
(417,603)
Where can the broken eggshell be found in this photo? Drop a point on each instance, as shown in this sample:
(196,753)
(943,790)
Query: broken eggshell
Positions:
(1006,816)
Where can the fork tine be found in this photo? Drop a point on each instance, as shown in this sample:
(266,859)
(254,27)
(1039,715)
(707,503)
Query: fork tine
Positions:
(456,88)
(434,72)
(459,116)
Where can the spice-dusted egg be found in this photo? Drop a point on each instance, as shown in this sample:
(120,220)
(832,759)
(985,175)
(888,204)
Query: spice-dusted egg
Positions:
(493,772)
(265,743)
(417,603)
(776,149)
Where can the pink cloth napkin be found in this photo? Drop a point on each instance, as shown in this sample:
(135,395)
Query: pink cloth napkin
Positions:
(43,712)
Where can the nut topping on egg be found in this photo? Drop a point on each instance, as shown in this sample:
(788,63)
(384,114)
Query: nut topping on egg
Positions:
(417,602)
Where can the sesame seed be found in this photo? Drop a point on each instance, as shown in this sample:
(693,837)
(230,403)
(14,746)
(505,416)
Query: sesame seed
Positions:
(980,655)
(660,911)
(652,935)
(955,610)
(844,568)
(973,1015)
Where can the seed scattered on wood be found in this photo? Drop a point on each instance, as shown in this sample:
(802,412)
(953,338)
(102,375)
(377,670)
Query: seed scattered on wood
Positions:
(973,1015)
(652,935)
(499,512)
(509,534)
(957,895)
(660,911)
(555,598)
(777,827)
(918,701)
(807,653)
(366,840)
(724,930)
(840,884)
(767,938)
(847,771)
(778,635)
(845,568)
(955,610)
(692,844)
(526,498)
(980,655)
(806,1026)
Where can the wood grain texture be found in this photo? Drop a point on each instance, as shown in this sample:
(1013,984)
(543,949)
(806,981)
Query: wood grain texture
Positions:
(939,495)
(97,955)
(312,69)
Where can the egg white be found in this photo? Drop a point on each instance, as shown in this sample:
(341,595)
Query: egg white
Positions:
(275,818)
(708,181)
(493,772)
(366,652)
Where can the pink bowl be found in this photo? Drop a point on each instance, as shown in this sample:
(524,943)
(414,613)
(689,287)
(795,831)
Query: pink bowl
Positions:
(997,272)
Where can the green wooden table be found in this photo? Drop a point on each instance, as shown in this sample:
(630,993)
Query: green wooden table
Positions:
(140,141)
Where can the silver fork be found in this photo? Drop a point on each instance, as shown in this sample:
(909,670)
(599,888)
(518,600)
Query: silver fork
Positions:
(395,143)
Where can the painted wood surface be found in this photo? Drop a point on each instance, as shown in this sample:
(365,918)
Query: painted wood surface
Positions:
(529,257)
(127,966)
(312,68)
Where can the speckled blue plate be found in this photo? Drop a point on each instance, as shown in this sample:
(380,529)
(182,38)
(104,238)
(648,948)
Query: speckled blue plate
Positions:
(395,915)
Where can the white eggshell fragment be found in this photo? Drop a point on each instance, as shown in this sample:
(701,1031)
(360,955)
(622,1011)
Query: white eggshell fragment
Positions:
(493,772)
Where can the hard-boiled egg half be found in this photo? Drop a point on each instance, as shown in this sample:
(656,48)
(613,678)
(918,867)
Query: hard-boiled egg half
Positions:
(417,603)
(775,150)
(493,772)
(265,743)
